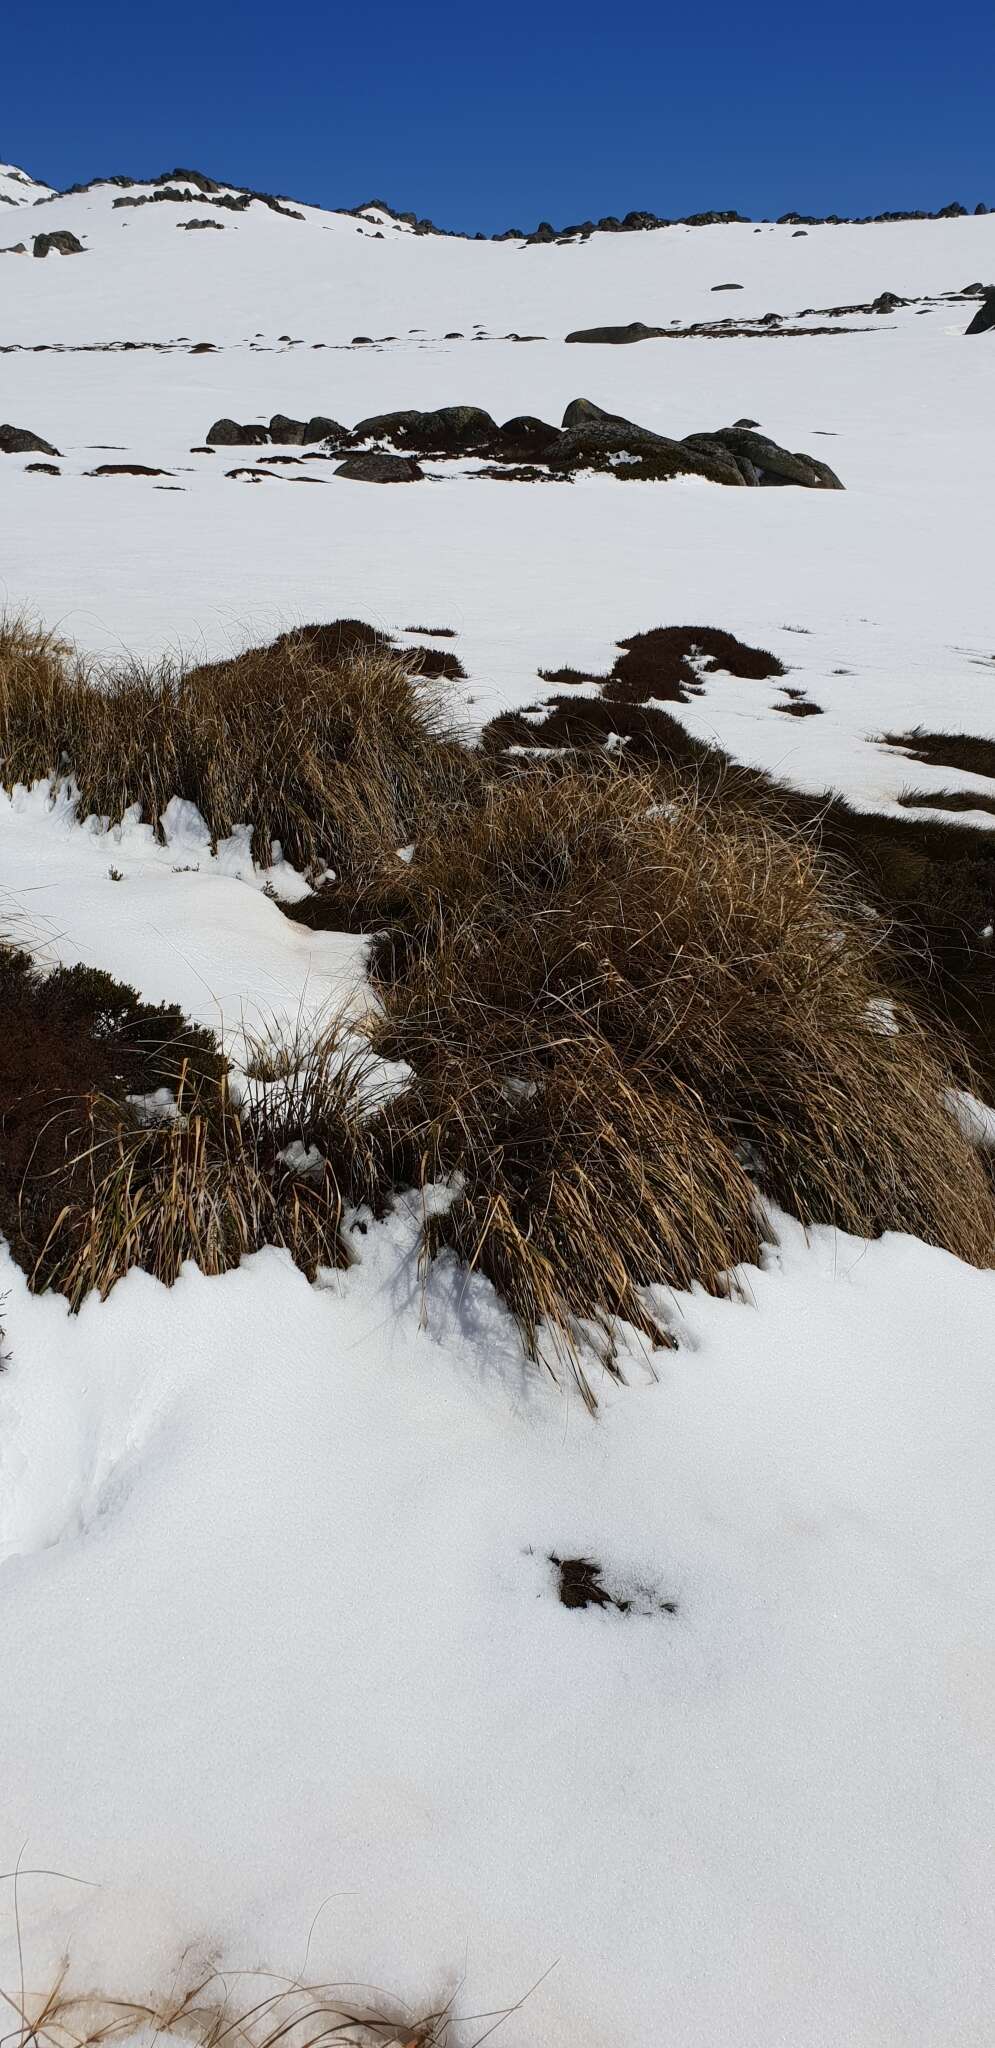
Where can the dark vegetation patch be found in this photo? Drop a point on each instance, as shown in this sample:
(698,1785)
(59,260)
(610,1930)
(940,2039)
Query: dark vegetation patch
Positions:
(631,993)
(801,707)
(126,469)
(567,675)
(433,632)
(946,800)
(946,749)
(580,1584)
(69,1037)
(933,884)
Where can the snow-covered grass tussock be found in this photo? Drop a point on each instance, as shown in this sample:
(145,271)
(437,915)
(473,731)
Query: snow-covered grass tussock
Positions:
(624,1007)
(263,737)
(127,1142)
(588,951)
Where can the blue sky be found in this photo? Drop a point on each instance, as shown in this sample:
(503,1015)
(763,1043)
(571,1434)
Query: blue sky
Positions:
(487,118)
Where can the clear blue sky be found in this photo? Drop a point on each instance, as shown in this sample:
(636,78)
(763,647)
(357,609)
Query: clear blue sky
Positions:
(490,117)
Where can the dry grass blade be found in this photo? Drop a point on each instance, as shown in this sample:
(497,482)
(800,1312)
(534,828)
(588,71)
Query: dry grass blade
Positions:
(297,2015)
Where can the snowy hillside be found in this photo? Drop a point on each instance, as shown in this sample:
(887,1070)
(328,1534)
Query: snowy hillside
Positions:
(886,584)
(278,1559)
(17,188)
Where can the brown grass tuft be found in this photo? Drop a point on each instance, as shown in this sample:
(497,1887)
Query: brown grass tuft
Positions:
(687,993)
(323,743)
(294,2014)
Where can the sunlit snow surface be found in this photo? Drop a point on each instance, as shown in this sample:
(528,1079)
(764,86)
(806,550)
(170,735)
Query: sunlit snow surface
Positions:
(279,1626)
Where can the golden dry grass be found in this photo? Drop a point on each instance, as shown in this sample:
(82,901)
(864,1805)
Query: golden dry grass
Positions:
(689,995)
(633,1008)
(288,2014)
(334,756)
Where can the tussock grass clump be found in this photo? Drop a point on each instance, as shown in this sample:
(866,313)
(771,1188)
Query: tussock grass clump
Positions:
(324,742)
(123,1144)
(576,1182)
(636,1000)
(687,994)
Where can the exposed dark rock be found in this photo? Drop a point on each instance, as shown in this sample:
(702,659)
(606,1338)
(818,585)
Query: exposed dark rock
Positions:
(617,336)
(450,430)
(63,243)
(772,462)
(20,441)
(581,412)
(385,426)
(287,432)
(599,444)
(321,428)
(231,434)
(126,469)
(14,249)
(985,316)
(727,287)
(41,469)
(194,224)
(377,467)
(525,438)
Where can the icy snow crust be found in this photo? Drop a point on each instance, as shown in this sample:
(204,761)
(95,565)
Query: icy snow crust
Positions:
(280,1631)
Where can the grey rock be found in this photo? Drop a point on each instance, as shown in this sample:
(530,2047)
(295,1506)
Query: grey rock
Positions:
(984,318)
(231,434)
(20,441)
(772,461)
(321,428)
(596,442)
(617,336)
(63,243)
(449,430)
(376,467)
(287,433)
(524,438)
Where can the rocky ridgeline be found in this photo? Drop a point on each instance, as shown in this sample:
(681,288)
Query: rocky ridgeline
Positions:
(637,221)
(380,449)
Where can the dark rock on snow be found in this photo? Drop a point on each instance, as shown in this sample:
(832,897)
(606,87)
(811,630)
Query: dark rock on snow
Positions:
(231,434)
(61,241)
(377,467)
(985,316)
(635,331)
(450,430)
(773,464)
(524,438)
(18,441)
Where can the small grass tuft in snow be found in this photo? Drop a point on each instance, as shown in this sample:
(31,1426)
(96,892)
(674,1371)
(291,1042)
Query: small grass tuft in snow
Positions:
(294,2015)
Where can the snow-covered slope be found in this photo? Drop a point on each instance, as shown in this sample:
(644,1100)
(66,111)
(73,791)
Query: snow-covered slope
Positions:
(281,1637)
(17,188)
(877,597)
